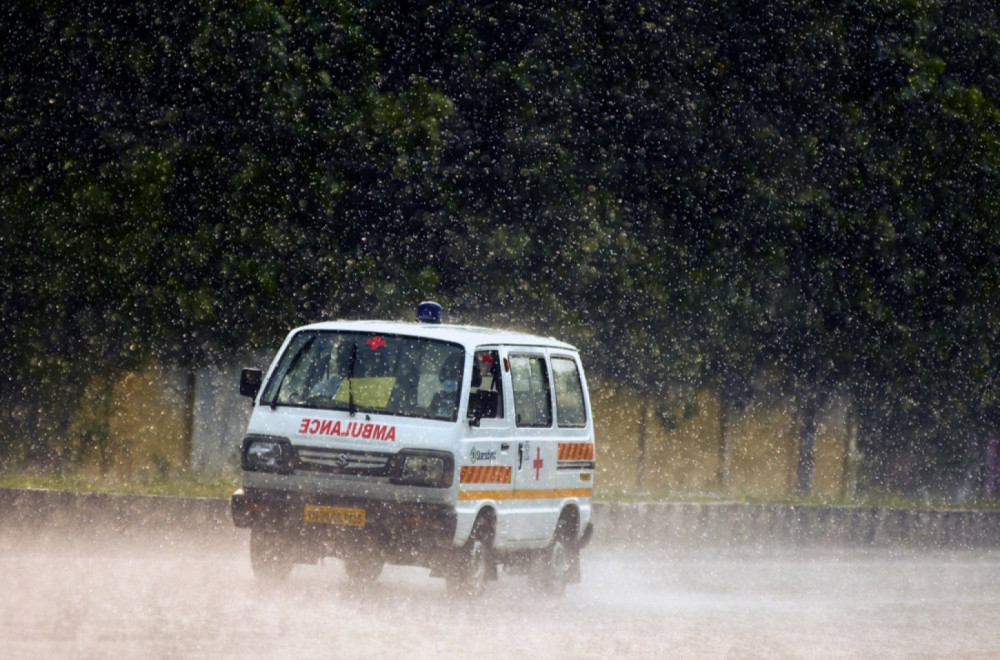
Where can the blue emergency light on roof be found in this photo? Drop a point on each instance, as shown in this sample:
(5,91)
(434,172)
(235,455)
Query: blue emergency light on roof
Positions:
(429,312)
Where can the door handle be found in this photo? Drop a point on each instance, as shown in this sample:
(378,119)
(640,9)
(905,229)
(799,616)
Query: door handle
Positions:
(520,454)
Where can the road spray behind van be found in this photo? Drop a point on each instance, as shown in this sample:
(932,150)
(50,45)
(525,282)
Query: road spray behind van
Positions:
(456,448)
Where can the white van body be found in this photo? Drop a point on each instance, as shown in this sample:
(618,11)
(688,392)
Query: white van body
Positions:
(457,448)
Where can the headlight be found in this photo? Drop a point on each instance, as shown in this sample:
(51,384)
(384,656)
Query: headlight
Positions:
(434,469)
(267,454)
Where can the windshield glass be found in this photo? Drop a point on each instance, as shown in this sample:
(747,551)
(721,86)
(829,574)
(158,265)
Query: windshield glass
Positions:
(368,372)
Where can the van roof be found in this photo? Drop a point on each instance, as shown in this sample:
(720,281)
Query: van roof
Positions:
(469,336)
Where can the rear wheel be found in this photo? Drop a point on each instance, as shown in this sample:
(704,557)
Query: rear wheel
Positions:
(555,566)
(269,555)
(474,563)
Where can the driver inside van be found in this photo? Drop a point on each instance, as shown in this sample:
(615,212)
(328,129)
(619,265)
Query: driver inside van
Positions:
(445,402)
(330,385)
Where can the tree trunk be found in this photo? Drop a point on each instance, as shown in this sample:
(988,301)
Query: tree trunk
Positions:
(850,489)
(725,446)
(641,460)
(807,446)
(187,444)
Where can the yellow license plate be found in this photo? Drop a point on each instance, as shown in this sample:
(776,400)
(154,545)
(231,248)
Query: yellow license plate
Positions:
(333,515)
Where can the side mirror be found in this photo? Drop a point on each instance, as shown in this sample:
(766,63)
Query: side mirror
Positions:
(250,380)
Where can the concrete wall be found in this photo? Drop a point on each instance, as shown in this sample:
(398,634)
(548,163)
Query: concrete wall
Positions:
(158,425)
(679,450)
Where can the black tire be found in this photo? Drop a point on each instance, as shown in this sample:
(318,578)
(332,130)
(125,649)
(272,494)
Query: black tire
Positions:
(555,566)
(269,555)
(363,569)
(474,563)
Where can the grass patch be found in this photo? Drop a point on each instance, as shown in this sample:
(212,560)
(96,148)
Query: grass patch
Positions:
(175,486)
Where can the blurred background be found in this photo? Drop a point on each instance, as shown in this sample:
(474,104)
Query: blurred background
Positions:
(770,227)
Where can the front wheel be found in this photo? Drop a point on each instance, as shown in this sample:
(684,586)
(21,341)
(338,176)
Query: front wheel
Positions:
(363,569)
(474,563)
(269,555)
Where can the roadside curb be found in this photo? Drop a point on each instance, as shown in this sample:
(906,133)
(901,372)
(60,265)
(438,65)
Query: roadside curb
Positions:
(82,517)
(690,524)
(742,525)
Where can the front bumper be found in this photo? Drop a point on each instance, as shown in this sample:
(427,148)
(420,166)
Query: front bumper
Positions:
(387,524)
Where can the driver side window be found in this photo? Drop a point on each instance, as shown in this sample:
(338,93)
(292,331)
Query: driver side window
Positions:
(485,392)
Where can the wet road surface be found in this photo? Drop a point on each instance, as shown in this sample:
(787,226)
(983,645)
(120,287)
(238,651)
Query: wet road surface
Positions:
(192,595)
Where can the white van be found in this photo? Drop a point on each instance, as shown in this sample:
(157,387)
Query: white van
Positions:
(455,448)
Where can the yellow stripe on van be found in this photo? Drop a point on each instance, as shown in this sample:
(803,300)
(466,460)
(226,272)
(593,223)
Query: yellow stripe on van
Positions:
(543,494)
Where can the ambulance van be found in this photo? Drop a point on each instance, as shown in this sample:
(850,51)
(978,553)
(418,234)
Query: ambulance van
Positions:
(456,448)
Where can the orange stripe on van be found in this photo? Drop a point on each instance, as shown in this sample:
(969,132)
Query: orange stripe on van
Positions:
(485,474)
(542,494)
(576,451)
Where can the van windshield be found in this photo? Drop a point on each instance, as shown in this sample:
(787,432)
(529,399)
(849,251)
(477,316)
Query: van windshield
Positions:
(368,372)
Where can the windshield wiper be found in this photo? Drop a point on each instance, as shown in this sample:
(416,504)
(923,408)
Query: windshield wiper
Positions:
(350,380)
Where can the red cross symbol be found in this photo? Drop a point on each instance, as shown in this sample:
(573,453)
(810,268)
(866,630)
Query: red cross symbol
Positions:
(376,342)
(538,463)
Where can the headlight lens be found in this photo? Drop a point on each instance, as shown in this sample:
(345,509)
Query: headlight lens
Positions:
(434,469)
(267,454)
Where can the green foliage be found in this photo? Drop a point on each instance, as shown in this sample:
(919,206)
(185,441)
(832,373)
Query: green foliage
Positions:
(693,193)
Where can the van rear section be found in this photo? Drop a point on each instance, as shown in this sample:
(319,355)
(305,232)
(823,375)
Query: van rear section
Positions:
(457,448)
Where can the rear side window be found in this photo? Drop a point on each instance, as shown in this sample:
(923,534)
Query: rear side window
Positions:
(530,384)
(570,410)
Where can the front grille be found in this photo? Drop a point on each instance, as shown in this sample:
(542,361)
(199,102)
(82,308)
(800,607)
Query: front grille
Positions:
(342,461)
